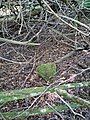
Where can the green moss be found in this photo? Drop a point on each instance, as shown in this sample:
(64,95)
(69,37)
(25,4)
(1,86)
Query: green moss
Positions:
(46,71)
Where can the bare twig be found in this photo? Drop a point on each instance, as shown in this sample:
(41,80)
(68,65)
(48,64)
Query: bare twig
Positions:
(65,56)
(29,73)
(18,42)
(54,110)
(77,114)
(61,16)
(22,19)
(74,98)
(15,62)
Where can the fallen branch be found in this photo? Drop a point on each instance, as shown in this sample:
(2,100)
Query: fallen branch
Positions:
(7,96)
(18,42)
(36,111)
(76,99)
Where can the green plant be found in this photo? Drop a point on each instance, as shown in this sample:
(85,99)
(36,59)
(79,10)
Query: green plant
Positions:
(46,71)
(8,96)
(83,4)
(86,4)
(21,114)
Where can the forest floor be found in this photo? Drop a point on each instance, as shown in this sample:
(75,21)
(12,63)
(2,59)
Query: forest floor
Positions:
(20,71)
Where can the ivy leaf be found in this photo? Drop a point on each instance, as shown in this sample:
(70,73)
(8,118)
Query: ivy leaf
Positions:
(46,71)
(86,4)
